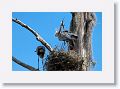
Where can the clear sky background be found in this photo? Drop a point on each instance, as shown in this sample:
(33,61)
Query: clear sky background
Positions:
(24,42)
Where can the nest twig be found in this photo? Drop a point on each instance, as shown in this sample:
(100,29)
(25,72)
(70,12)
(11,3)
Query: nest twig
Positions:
(61,60)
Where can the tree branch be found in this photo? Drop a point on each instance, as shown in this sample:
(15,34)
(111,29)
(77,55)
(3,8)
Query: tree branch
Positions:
(38,37)
(24,65)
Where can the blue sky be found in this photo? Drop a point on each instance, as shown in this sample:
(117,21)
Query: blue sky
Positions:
(46,23)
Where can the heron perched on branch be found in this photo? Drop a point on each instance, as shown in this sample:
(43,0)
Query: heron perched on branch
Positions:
(40,50)
(64,35)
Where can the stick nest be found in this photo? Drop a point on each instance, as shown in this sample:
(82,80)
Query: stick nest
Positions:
(61,60)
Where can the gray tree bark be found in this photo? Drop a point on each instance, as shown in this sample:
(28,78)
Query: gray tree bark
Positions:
(81,25)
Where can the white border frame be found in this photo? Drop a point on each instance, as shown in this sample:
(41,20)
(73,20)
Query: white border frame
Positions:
(104,76)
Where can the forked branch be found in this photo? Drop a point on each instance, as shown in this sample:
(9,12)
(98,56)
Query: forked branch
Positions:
(38,37)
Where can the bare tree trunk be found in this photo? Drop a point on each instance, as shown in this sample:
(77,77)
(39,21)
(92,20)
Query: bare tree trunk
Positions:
(81,25)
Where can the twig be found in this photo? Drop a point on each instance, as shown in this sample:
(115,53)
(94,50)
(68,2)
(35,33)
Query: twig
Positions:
(38,37)
(24,65)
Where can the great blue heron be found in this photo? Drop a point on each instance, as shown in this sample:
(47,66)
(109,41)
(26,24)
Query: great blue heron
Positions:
(40,50)
(65,35)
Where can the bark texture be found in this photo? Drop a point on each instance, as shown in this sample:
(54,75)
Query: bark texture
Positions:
(82,24)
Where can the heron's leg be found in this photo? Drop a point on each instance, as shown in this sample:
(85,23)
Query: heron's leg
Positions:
(42,61)
(38,63)
(42,64)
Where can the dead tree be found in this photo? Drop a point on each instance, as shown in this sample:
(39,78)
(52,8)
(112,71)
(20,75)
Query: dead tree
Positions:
(82,24)
(78,37)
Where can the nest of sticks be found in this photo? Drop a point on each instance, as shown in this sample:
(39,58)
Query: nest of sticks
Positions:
(61,60)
